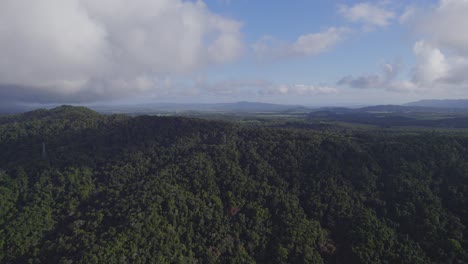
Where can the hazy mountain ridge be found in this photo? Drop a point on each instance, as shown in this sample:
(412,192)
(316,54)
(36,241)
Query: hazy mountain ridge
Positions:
(444,103)
(433,106)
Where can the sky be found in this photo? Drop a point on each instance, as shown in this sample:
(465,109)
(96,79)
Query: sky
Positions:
(313,53)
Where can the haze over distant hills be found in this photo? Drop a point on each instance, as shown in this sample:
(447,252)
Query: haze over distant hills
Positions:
(448,103)
(241,107)
(251,107)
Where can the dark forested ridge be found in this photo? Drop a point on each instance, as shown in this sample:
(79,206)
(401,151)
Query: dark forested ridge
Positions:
(79,187)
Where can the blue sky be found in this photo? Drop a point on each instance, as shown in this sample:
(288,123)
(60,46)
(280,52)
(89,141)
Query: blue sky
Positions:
(362,52)
(304,52)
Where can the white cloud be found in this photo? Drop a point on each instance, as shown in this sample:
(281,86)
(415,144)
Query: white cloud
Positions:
(432,64)
(95,49)
(367,13)
(433,72)
(441,53)
(445,25)
(305,45)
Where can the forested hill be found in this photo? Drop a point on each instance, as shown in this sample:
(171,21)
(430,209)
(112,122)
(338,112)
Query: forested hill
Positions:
(79,187)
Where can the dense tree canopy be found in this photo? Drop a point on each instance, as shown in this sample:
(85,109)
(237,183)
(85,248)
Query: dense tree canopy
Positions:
(118,189)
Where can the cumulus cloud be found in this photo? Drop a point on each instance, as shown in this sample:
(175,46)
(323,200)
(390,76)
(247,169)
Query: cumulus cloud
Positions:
(74,50)
(433,71)
(441,53)
(387,79)
(305,45)
(369,14)
(444,25)
(432,64)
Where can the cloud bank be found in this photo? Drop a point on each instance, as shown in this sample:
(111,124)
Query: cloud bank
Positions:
(264,88)
(81,50)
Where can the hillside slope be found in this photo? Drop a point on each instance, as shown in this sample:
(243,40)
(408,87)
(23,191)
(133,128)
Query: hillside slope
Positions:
(112,189)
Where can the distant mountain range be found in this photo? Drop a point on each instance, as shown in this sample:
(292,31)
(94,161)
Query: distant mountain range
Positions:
(460,105)
(448,103)
(443,106)
(256,107)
